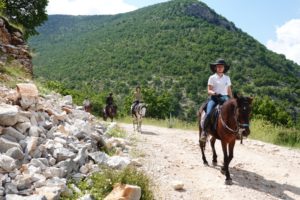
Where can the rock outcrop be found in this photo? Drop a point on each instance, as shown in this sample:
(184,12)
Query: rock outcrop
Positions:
(45,140)
(13,46)
(202,11)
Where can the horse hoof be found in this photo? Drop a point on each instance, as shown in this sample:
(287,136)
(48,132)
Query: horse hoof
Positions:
(222,171)
(228,182)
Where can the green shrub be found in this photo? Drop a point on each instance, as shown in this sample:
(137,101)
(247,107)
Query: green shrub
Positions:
(100,184)
(117,132)
(288,138)
(264,130)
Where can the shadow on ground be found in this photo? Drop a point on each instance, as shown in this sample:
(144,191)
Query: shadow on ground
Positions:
(254,181)
(148,133)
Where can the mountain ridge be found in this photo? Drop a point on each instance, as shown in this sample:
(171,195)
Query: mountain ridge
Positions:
(167,46)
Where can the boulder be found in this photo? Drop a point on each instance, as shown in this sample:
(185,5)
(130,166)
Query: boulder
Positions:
(124,191)
(8,115)
(28,94)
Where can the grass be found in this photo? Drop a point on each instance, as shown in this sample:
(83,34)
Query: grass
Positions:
(19,27)
(116,132)
(265,131)
(13,73)
(168,123)
(100,184)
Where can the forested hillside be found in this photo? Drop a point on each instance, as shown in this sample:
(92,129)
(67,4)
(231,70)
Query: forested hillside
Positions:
(165,48)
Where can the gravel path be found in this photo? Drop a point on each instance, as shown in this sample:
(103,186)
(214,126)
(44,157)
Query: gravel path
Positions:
(259,170)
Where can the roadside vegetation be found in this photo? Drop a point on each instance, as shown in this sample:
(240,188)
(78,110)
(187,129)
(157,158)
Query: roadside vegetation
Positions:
(12,73)
(280,135)
(100,184)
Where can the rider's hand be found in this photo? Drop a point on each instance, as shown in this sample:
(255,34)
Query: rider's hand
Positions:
(217,95)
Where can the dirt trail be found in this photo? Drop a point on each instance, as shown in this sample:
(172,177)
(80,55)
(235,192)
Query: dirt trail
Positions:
(259,170)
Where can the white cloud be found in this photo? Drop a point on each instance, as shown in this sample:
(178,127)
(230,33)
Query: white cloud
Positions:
(88,7)
(288,40)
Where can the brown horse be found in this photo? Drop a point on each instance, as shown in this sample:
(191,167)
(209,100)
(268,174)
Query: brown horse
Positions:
(234,116)
(87,105)
(110,111)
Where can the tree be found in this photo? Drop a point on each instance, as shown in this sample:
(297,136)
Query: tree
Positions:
(2,6)
(28,13)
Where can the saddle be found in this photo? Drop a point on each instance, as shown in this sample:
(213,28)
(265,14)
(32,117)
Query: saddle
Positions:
(212,123)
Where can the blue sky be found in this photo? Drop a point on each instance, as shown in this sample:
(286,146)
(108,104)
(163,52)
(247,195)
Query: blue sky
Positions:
(274,23)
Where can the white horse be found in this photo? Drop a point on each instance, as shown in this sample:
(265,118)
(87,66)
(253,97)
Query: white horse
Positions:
(138,113)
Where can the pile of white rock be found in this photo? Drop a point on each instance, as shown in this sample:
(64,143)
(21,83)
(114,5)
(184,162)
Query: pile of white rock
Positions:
(44,140)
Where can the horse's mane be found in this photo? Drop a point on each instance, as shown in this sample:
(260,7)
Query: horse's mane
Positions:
(230,105)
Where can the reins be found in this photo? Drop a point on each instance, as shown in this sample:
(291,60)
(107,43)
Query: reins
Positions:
(239,126)
(226,126)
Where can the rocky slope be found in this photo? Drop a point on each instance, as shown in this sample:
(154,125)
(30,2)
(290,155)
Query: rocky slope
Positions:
(13,46)
(44,140)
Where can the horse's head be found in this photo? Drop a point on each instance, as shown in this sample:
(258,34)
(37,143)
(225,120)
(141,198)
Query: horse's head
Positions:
(243,111)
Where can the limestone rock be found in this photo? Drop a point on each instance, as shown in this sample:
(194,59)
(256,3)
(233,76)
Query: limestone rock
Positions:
(126,192)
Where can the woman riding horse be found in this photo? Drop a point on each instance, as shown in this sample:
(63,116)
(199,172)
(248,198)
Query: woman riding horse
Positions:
(137,95)
(219,89)
(225,122)
(138,109)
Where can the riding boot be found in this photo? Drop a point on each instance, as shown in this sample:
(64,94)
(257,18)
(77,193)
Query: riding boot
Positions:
(205,129)
(206,123)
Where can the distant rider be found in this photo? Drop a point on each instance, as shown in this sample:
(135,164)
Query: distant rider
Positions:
(137,98)
(109,101)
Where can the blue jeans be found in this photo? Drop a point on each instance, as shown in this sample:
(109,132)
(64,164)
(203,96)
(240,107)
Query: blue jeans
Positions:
(212,102)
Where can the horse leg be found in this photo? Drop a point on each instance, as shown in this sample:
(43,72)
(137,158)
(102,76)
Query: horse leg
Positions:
(224,169)
(228,180)
(242,138)
(212,144)
(133,123)
(141,124)
(202,147)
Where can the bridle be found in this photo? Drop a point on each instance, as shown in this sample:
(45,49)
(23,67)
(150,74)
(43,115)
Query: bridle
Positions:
(240,126)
